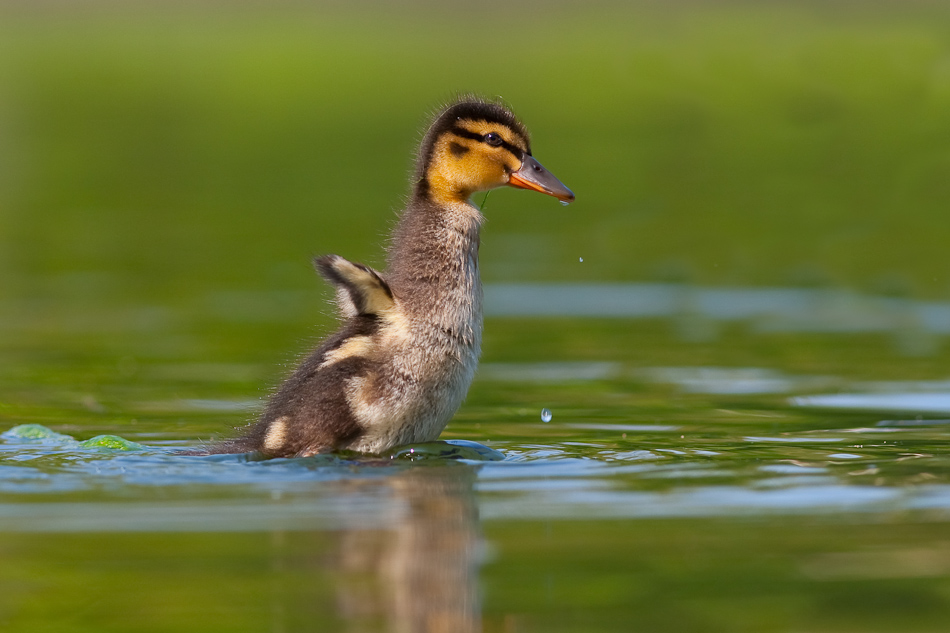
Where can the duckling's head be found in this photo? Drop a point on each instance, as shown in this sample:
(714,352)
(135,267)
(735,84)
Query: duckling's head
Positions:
(475,145)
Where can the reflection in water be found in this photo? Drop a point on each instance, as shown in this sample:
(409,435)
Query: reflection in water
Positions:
(418,573)
(697,311)
(938,402)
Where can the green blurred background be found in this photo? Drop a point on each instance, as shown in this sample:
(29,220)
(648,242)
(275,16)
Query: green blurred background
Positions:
(159,151)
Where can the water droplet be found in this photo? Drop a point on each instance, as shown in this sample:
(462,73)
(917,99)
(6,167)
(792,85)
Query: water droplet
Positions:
(546,415)
(580,259)
(564,203)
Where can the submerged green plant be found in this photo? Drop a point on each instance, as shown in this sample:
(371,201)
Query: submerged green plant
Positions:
(112,442)
(38,432)
(35,432)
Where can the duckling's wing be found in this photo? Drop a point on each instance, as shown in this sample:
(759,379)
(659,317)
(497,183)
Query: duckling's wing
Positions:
(359,288)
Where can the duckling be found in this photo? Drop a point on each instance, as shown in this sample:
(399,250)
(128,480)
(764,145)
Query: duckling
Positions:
(401,363)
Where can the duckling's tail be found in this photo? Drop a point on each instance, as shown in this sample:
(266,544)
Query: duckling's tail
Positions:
(360,289)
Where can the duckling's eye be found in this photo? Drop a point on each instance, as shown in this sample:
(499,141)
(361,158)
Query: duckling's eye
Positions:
(494,139)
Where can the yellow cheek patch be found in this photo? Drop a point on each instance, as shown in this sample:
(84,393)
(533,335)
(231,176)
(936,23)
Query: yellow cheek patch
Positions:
(460,167)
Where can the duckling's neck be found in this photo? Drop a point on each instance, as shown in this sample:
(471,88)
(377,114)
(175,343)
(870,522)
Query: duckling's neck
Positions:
(434,243)
(433,263)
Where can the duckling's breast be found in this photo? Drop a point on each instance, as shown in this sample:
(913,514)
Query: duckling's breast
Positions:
(428,348)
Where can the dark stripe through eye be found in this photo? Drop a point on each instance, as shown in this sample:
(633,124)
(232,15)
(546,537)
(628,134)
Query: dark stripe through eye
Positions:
(491,138)
(461,131)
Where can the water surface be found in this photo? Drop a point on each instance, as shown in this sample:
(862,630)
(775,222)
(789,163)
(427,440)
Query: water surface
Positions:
(803,491)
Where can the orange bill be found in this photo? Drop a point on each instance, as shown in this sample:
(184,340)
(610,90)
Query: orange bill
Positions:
(535,177)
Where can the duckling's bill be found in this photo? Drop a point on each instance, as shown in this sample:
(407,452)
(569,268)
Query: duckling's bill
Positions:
(533,176)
